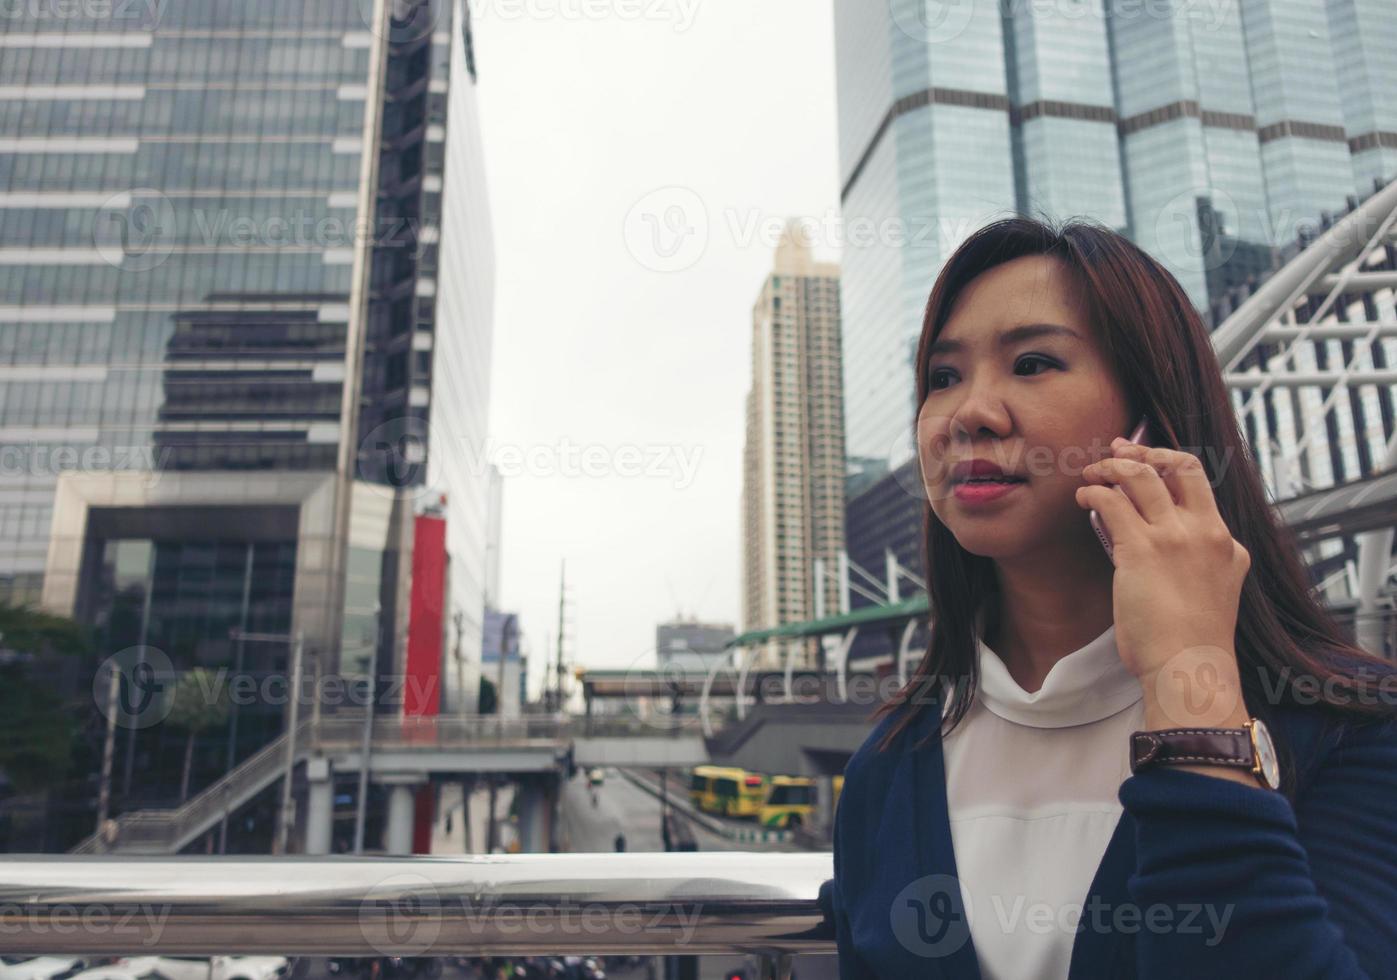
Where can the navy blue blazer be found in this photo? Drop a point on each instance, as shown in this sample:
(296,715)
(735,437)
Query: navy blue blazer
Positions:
(1203,877)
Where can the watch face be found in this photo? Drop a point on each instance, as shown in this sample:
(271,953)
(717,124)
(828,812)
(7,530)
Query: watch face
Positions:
(1265,753)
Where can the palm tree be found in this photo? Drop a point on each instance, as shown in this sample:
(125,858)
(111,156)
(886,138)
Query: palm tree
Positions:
(199,702)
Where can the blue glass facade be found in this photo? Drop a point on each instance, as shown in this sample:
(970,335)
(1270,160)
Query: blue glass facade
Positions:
(221,226)
(1211,134)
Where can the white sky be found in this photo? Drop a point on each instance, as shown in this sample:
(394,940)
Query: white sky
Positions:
(602,339)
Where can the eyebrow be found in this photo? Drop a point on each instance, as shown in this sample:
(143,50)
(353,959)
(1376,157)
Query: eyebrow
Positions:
(1014,335)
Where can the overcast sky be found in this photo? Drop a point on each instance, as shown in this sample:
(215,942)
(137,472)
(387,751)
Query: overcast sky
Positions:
(639,164)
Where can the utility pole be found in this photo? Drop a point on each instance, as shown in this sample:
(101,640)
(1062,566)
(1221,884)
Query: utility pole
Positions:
(104,796)
(284,822)
(361,800)
(562,587)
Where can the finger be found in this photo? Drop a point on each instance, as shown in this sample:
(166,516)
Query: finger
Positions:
(1182,472)
(1140,482)
(1123,522)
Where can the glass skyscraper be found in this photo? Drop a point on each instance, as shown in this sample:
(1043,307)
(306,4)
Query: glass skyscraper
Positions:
(245,269)
(1210,134)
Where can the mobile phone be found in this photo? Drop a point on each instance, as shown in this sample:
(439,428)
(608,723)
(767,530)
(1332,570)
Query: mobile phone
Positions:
(1137,436)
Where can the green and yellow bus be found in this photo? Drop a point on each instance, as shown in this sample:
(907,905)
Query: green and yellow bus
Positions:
(727,790)
(790,800)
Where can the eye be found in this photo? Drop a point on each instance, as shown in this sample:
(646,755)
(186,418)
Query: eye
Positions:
(1035,357)
(1026,359)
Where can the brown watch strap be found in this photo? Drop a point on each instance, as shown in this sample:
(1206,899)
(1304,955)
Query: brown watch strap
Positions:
(1182,746)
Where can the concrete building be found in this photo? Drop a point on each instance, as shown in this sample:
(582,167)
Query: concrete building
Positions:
(690,645)
(793,460)
(501,644)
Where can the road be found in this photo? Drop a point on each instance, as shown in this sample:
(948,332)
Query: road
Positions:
(624,808)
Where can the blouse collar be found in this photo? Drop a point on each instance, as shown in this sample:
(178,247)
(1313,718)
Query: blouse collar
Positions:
(1087,685)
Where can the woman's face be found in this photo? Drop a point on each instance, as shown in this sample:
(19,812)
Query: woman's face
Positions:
(1016,377)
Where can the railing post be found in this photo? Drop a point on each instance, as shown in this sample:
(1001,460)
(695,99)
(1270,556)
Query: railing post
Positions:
(775,967)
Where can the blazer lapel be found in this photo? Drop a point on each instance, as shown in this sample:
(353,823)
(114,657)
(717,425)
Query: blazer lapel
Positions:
(1100,952)
(935,855)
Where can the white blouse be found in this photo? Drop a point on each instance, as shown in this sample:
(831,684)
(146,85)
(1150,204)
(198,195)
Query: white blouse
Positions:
(1031,783)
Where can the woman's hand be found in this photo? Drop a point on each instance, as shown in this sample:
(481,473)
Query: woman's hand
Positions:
(1177,585)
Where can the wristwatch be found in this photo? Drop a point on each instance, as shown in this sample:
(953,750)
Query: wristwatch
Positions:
(1247,748)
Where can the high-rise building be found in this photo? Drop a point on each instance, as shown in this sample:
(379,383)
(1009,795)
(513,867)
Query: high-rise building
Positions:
(494,530)
(793,460)
(1209,136)
(245,280)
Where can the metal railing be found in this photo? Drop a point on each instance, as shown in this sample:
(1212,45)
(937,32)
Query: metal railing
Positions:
(341,731)
(678,904)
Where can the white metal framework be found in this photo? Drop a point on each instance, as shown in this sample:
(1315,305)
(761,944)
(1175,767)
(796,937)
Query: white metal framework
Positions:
(1338,290)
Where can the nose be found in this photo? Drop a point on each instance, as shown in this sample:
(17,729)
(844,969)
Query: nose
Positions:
(980,412)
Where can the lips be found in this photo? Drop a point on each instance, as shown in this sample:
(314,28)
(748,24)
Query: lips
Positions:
(981,471)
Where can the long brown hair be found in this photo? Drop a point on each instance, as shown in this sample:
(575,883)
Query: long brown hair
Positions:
(1161,353)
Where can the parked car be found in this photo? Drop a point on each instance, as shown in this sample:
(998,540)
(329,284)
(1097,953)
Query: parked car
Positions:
(40,967)
(113,972)
(209,967)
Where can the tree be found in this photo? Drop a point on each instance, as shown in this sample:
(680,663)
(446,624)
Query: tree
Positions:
(486,705)
(199,703)
(37,729)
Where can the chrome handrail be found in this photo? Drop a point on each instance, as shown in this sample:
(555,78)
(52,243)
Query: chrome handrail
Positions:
(684,903)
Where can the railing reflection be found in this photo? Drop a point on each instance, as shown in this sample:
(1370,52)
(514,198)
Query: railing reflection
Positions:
(494,905)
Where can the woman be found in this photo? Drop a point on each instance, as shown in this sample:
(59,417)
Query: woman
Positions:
(1004,819)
